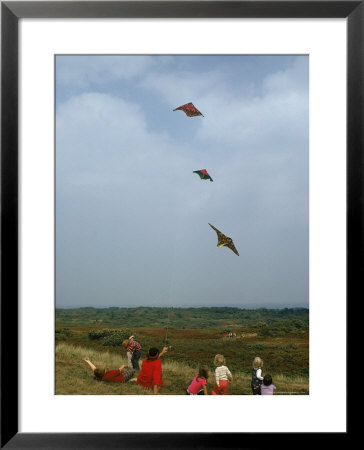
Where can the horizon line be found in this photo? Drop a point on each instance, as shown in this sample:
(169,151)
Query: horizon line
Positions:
(185,307)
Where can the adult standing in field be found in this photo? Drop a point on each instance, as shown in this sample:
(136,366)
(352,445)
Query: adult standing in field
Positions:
(150,375)
(133,352)
(113,376)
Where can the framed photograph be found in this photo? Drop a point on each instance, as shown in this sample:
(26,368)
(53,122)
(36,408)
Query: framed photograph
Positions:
(135,137)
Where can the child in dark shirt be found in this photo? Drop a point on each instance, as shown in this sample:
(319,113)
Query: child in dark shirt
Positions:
(257,378)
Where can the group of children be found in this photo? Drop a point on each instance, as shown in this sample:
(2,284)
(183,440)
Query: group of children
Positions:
(150,375)
(222,378)
(260,385)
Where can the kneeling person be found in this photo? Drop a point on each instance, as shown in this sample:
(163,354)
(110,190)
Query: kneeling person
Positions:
(198,384)
(150,375)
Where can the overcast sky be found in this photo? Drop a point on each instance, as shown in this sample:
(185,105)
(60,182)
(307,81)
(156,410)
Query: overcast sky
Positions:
(131,217)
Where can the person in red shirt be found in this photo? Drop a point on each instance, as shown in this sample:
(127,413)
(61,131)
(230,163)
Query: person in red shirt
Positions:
(150,375)
(133,352)
(114,376)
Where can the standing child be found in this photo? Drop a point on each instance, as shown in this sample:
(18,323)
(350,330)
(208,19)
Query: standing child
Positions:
(133,352)
(198,384)
(257,376)
(222,376)
(267,387)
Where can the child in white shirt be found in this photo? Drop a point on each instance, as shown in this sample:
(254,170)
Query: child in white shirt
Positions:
(222,376)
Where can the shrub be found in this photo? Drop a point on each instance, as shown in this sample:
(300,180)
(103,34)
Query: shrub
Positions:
(259,347)
(62,334)
(97,334)
(110,338)
(114,339)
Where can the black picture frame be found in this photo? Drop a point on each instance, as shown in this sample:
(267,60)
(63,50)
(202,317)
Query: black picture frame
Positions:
(11,12)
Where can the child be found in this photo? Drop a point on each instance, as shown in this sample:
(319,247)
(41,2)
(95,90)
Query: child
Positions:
(133,352)
(257,376)
(150,375)
(114,376)
(222,376)
(198,384)
(267,387)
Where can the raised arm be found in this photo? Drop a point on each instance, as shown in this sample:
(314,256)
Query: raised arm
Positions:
(165,350)
(92,367)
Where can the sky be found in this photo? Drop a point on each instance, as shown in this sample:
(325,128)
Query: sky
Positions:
(132,217)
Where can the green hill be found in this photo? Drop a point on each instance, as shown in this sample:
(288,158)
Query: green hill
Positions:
(74,377)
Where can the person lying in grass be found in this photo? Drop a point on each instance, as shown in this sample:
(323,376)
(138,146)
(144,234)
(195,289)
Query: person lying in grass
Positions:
(150,375)
(114,376)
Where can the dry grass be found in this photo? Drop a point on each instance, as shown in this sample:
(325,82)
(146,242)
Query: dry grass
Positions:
(74,377)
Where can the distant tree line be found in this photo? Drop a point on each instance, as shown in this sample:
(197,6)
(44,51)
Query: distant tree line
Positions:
(184,318)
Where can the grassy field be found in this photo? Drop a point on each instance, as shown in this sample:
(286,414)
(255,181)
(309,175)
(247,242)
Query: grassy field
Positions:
(279,337)
(74,377)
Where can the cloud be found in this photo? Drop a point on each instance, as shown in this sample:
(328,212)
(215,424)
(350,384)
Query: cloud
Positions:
(275,117)
(292,79)
(84,71)
(271,115)
(131,216)
(182,86)
(104,142)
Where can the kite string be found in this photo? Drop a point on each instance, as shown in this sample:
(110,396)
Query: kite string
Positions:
(171,282)
(166,338)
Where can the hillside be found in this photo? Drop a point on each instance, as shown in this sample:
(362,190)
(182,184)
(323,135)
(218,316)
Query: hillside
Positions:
(73,376)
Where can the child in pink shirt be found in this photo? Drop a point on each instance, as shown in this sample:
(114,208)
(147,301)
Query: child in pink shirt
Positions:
(267,387)
(198,384)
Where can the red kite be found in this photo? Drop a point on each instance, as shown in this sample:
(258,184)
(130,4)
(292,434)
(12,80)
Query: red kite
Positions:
(203,174)
(189,109)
